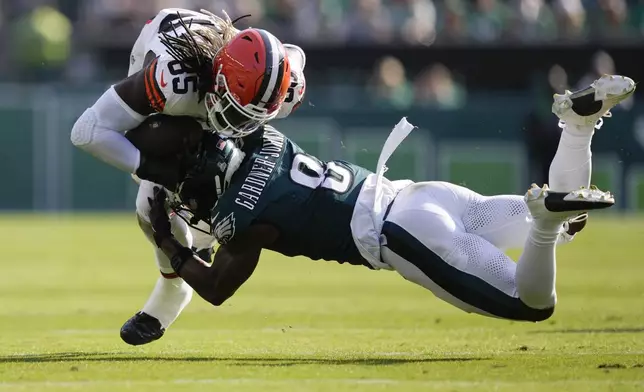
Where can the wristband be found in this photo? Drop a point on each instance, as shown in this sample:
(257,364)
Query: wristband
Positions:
(179,258)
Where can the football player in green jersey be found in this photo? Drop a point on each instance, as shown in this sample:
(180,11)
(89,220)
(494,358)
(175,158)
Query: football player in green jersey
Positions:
(443,237)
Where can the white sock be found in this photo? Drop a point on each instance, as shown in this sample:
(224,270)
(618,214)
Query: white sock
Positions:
(168,299)
(570,169)
(170,296)
(536,268)
(572,164)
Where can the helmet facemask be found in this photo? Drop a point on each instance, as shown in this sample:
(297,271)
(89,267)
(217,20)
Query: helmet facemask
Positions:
(228,117)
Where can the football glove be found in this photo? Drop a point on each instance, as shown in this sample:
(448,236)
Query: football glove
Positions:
(159,216)
(163,172)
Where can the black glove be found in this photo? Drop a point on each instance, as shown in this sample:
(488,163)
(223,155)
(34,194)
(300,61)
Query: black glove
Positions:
(168,173)
(159,216)
(177,253)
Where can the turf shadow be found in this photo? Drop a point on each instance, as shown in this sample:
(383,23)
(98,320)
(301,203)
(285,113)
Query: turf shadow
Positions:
(592,330)
(235,361)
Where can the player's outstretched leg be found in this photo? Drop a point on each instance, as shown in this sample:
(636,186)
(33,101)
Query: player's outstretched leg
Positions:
(536,268)
(425,242)
(429,239)
(170,294)
(504,220)
(581,113)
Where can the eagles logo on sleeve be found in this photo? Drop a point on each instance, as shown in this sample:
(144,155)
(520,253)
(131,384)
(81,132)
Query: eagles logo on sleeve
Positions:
(224,230)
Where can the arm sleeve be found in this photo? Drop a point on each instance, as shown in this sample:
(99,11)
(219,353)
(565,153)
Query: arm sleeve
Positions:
(99,131)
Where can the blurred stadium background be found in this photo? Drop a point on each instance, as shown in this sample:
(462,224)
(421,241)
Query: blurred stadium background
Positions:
(475,75)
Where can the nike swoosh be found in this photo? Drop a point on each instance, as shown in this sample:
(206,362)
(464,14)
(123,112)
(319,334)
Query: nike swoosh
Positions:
(163,82)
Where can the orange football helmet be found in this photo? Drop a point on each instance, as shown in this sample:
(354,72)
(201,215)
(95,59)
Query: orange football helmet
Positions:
(251,77)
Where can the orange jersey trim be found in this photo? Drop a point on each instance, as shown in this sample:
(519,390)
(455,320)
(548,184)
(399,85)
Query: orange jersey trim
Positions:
(153,92)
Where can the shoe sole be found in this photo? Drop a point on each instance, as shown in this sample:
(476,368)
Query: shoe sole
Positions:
(561,202)
(609,89)
(570,203)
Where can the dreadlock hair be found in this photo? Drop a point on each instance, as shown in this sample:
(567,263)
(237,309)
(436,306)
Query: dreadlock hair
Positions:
(196,49)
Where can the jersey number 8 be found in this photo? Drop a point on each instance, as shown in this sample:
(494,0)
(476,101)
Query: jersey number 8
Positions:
(308,171)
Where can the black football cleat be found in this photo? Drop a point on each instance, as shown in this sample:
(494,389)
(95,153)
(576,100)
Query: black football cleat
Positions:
(141,329)
(544,203)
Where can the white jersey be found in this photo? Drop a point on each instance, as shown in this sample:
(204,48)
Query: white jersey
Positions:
(157,83)
(169,88)
(173,91)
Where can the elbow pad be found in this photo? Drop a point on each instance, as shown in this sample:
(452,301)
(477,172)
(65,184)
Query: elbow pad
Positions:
(84,128)
(99,131)
(109,113)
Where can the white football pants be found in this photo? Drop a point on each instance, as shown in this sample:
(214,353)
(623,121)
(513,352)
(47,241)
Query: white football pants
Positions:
(449,239)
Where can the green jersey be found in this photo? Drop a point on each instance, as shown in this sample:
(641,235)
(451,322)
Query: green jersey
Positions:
(309,201)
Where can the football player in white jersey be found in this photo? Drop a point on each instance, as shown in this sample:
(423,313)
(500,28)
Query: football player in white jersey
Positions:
(187,63)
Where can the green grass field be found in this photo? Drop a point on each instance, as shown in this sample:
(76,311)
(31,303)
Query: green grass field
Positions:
(69,283)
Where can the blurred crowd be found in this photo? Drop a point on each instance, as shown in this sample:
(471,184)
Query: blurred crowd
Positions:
(45,40)
(58,40)
(376,21)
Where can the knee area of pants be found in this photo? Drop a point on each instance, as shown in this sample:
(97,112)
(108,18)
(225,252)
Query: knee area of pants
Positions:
(545,314)
(536,315)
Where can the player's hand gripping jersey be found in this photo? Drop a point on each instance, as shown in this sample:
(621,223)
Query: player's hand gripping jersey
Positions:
(310,202)
(157,83)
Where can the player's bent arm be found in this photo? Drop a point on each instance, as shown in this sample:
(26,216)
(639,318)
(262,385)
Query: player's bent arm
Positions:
(233,264)
(99,131)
